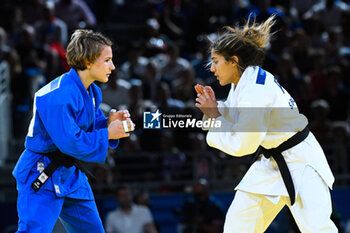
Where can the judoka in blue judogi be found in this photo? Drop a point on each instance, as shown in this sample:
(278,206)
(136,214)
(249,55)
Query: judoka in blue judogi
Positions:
(66,118)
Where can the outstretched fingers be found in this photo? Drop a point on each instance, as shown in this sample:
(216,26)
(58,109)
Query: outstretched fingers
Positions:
(210,92)
(199,89)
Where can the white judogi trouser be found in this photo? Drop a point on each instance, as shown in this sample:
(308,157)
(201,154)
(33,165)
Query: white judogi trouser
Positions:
(250,212)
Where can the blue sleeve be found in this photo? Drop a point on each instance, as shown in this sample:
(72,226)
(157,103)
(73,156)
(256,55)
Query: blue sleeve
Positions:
(59,115)
(101,122)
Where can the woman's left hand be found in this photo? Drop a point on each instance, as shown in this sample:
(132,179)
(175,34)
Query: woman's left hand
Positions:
(119,115)
(206,101)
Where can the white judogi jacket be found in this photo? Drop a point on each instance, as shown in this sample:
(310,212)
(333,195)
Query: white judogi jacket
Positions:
(258,111)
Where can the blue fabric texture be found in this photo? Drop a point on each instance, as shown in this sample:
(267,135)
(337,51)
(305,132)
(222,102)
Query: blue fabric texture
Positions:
(66,117)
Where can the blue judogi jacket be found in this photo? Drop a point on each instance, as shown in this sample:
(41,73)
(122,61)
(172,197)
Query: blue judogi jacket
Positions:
(66,117)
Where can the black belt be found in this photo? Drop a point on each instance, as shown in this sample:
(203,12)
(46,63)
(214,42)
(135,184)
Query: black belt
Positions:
(57,159)
(276,153)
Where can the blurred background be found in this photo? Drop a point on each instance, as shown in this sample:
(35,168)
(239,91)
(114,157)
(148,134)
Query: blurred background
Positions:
(160,53)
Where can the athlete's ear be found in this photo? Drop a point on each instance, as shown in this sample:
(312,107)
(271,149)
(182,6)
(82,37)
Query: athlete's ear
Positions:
(235,59)
(88,65)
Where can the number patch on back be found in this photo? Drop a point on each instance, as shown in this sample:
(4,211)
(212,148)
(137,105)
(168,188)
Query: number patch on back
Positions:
(291,103)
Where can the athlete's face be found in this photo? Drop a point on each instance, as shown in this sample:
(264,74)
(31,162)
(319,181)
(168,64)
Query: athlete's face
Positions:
(225,71)
(103,66)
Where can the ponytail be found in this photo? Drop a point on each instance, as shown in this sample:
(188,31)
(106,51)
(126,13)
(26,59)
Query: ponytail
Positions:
(247,43)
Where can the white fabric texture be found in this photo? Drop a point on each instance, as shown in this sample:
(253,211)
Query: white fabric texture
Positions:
(253,213)
(258,111)
(266,129)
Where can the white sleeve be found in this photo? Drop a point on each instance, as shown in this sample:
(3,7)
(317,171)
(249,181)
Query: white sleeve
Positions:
(223,108)
(243,136)
(239,139)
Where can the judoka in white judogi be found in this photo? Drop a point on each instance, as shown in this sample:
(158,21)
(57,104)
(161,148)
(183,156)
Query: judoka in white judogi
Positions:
(258,111)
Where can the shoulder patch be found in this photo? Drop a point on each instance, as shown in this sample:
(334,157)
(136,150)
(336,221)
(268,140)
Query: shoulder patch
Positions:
(55,83)
(261,77)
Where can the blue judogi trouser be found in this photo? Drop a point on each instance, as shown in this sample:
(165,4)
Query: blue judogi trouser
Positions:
(39,211)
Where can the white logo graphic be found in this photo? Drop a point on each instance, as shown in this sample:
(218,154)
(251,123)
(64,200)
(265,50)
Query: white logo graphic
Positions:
(151,120)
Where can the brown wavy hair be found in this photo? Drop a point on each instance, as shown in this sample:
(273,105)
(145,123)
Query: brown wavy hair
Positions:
(247,42)
(85,46)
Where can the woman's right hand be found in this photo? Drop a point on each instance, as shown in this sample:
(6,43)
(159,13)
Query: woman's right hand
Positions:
(116,129)
(200,90)
(206,101)
(117,115)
